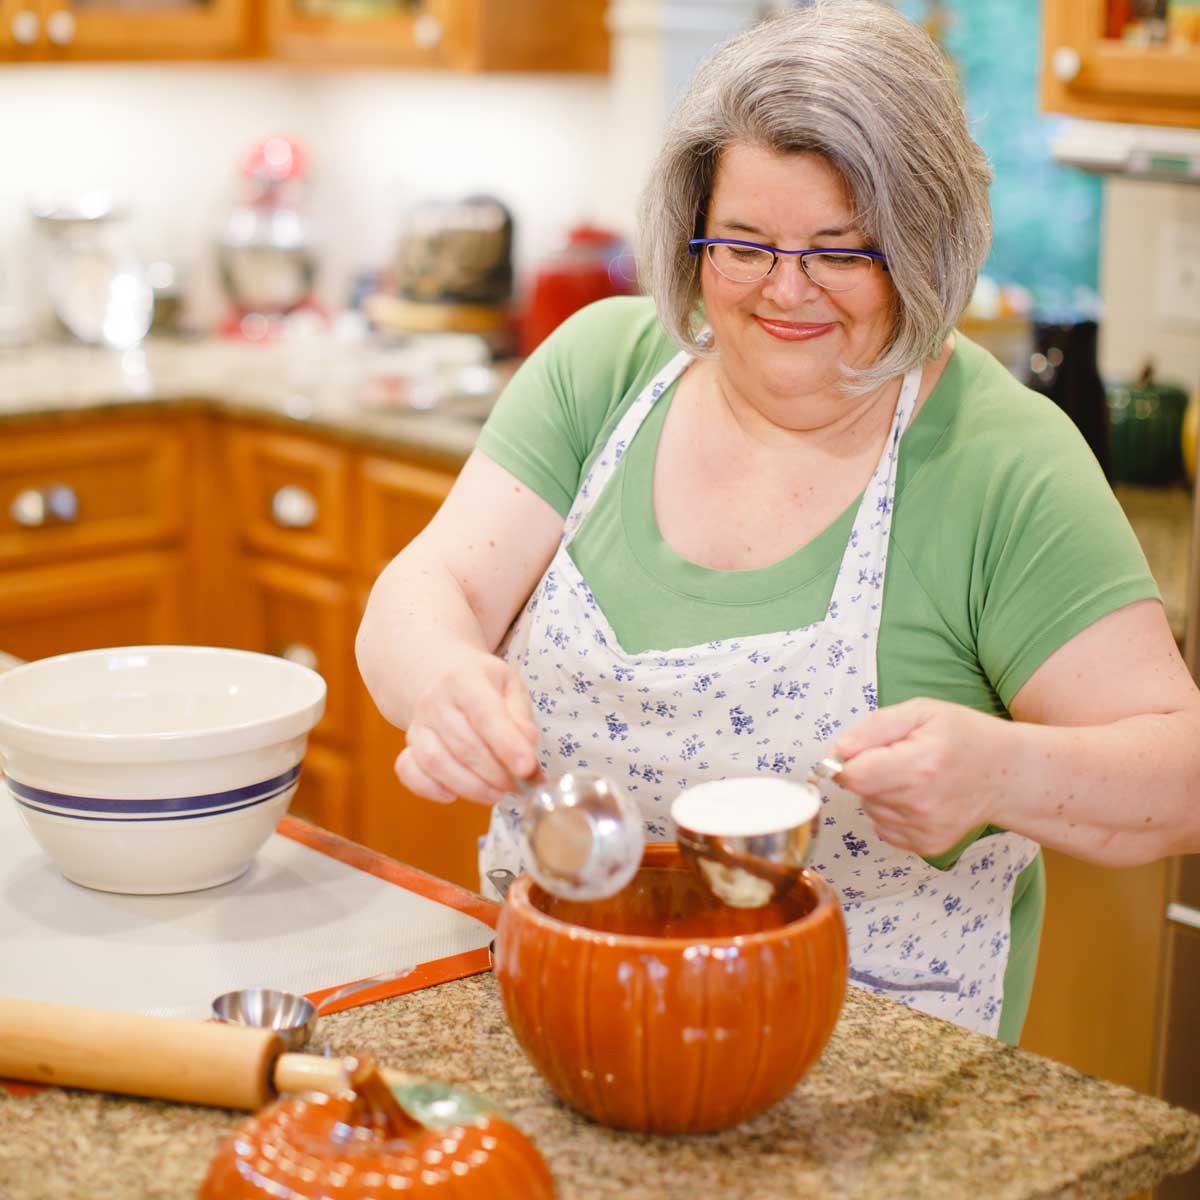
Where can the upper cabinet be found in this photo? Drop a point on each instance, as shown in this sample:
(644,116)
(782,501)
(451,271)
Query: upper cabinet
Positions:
(77,30)
(460,35)
(1098,64)
(464,35)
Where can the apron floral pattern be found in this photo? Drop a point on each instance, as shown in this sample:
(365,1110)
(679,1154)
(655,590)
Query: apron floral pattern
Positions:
(661,721)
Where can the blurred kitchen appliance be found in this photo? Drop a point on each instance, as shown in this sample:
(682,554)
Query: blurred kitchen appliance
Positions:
(266,256)
(453,269)
(1064,367)
(1145,430)
(97,283)
(593,264)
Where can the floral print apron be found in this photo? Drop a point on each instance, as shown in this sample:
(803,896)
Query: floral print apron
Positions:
(662,720)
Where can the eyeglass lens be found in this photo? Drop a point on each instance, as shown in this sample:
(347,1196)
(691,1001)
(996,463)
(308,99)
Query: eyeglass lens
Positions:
(834,272)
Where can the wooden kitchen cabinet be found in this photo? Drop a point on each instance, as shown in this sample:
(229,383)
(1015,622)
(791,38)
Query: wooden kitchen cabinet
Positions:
(90,489)
(291,496)
(93,524)
(119,600)
(1096,996)
(81,30)
(304,616)
(439,838)
(464,35)
(1086,74)
(325,791)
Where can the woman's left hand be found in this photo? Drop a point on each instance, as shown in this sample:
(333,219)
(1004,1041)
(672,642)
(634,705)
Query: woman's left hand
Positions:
(927,771)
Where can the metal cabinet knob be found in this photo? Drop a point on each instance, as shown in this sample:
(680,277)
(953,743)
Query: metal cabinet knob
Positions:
(35,507)
(300,654)
(427,31)
(60,27)
(25,27)
(1065,63)
(294,507)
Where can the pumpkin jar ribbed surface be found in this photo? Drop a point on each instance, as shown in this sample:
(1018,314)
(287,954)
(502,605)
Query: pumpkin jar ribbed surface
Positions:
(662,1010)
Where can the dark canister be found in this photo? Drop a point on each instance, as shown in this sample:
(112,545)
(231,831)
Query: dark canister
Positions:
(1064,367)
(1146,426)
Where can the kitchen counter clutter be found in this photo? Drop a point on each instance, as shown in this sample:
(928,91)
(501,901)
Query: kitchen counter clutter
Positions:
(899,1105)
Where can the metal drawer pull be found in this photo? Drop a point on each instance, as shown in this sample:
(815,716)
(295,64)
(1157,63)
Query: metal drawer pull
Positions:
(1184,914)
(25,27)
(300,654)
(60,27)
(45,506)
(294,507)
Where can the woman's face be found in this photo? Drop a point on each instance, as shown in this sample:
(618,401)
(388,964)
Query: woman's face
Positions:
(783,337)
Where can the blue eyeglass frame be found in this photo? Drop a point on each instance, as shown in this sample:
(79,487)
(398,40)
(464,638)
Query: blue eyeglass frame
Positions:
(697,244)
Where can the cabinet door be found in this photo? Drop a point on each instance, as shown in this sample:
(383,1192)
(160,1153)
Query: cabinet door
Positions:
(438,838)
(291,495)
(323,796)
(1089,74)
(304,616)
(89,489)
(1095,997)
(126,600)
(395,502)
(132,29)
(465,35)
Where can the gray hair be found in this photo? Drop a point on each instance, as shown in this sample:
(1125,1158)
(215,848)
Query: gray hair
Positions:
(861,85)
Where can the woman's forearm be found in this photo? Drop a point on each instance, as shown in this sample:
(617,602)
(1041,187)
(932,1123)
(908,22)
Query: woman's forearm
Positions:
(417,619)
(1119,794)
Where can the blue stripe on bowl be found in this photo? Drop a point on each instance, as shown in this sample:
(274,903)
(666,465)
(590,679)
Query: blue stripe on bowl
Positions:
(62,814)
(177,806)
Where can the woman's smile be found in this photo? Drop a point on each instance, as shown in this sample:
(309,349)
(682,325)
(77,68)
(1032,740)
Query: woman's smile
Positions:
(795,331)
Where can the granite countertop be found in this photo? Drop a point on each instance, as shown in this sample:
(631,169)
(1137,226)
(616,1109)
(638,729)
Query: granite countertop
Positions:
(899,1105)
(326,386)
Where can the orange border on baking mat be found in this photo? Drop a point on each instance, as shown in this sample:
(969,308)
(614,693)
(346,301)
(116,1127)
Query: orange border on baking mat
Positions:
(438,970)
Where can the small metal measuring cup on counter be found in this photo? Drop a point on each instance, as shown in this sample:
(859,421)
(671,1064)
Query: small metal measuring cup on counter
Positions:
(293,1017)
(750,839)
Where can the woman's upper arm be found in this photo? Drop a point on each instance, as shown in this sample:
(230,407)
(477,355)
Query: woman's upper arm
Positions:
(496,537)
(1122,665)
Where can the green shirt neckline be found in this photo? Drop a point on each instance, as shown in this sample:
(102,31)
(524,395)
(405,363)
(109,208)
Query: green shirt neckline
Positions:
(797,570)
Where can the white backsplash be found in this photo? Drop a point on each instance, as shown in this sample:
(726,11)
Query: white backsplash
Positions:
(170,139)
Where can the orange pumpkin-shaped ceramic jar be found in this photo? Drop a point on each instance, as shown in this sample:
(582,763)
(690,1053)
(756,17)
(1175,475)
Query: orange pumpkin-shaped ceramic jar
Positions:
(662,1010)
(362,1145)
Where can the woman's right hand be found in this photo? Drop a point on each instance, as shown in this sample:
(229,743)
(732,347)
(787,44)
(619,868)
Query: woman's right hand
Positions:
(471,733)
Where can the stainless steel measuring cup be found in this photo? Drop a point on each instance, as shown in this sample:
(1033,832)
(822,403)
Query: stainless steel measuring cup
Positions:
(293,1017)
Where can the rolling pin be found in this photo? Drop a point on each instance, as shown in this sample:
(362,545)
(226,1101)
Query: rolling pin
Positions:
(227,1066)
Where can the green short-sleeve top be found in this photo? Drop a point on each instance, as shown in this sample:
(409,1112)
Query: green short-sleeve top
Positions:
(1006,539)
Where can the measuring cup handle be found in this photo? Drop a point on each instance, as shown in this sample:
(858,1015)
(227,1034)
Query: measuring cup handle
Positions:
(362,985)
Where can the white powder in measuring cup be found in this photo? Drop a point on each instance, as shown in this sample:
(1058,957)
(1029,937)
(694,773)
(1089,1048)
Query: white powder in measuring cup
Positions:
(745,807)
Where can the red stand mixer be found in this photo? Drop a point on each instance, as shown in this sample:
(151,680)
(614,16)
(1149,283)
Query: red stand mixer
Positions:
(265,254)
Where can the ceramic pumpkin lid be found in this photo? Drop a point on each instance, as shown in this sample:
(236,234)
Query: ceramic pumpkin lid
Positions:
(361,1144)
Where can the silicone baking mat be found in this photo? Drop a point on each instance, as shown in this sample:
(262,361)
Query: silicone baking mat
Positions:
(313,912)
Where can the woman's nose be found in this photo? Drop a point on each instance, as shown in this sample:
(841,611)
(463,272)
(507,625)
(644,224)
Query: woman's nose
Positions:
(788,284)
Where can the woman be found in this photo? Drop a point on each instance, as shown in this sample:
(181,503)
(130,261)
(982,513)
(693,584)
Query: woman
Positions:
(786,509)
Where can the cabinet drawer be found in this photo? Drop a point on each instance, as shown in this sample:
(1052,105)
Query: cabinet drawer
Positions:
(291,496)
(301,615)
(83,491)
(122,600)
(323,796)
(396,501)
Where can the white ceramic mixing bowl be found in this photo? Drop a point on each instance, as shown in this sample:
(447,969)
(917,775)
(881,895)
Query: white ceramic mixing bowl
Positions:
(153,769)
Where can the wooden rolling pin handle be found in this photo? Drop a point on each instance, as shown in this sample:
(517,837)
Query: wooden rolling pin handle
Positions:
(313,1073)
(226,1066)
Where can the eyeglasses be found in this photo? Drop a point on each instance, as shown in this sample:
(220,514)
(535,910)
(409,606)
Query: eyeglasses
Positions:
(834,269)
